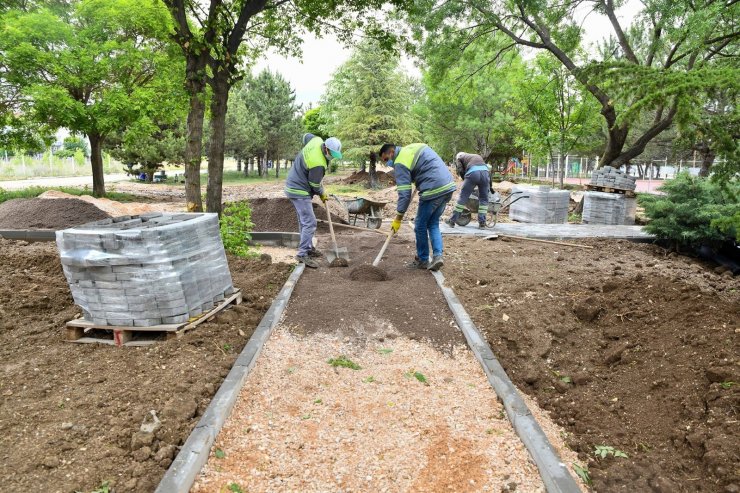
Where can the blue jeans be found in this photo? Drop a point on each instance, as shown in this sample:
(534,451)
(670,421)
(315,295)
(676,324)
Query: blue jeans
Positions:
(427,226)
(306,224)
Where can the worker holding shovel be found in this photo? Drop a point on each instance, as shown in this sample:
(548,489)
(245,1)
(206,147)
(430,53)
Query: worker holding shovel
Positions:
(474,172)
(420,165)
(303,182)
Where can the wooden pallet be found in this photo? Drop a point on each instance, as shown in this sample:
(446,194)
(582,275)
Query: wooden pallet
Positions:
(85,332)
(598,188)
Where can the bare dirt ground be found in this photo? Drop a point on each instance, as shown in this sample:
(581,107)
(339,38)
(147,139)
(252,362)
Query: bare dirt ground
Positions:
(626,346)
(418,415)
(70,414)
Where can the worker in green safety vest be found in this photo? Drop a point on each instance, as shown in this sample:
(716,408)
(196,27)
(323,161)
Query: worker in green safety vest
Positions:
(419,165)
(303,182)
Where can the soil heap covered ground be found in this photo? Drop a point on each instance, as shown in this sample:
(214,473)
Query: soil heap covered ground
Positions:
(278,214)
(47,213)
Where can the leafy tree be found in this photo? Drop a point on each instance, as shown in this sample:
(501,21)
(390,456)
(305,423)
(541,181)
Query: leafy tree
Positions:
(368,102)
(271,100)
(71,145)
(315,123)
(86,69)
(470,103)
(651,67)
(559,116)
(694,211)
(212,34)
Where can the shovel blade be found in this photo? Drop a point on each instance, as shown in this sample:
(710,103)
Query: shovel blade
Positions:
(338,253)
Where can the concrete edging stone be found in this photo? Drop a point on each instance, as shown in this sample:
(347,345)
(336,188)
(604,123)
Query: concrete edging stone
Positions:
(554,472)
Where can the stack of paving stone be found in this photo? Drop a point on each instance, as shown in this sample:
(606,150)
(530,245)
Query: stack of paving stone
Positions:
(543,205)
(609,177)
(608,208)
(140,271)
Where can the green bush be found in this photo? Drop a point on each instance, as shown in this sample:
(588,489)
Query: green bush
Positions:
(236,226)
(693,212)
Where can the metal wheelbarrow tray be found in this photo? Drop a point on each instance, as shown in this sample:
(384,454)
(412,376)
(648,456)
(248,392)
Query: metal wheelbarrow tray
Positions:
(367,210)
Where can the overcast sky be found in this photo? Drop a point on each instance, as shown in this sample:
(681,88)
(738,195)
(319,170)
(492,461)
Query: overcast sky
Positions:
(321,57)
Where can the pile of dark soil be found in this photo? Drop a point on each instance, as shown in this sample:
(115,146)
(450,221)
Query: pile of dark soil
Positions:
(368,273)
(626,347)
(363,178)
(280,215)
(339,262)
(70,413)
(47,213)
(408,303)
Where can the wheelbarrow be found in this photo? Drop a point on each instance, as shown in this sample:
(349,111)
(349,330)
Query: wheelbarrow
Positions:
(369,211)
(495,206)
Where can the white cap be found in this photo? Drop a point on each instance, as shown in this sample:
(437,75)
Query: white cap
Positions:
(334,146)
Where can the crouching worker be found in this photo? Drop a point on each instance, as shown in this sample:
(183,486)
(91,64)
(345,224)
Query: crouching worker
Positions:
(420,165)
(303,182)
(476,175)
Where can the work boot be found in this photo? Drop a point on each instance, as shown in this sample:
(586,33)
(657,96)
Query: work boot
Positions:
(482,225)
(417,264)
(436,263)
(451,222)
(315,253)
(305,259)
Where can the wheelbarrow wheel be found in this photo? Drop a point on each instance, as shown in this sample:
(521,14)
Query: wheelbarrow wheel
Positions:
(464,218)
(374,222)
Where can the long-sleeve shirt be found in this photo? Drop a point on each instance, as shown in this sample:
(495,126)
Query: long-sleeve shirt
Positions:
(302,181)
(429,174)
(470,163)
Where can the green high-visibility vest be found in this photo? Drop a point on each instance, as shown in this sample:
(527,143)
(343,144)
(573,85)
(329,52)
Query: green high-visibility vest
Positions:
(409,155)
(312,153)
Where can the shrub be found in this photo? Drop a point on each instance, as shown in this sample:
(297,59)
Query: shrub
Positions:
(236,226)
(693,212)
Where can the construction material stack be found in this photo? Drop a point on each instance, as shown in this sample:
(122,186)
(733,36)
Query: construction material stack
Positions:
(147,270)
(611,198)
(543,205)
(608,177)
(608,208)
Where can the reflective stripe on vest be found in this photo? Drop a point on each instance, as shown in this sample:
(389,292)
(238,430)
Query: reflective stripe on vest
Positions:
(409,155)
(312,153)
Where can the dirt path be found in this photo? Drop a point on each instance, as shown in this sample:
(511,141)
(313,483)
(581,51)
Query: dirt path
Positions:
(627,346)
(417,415)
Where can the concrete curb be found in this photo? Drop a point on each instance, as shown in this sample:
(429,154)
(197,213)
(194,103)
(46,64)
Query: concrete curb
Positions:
(275,238)
(193,455)
(28,234)
(554,472)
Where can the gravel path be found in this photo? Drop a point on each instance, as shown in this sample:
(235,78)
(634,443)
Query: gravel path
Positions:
(410,419)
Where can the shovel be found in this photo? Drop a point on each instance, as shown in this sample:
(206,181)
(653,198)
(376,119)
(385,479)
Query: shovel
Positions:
(337,252)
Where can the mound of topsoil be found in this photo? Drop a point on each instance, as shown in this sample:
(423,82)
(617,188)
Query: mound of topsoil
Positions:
(363,178)
(47,213)
(280,215)
(368,273)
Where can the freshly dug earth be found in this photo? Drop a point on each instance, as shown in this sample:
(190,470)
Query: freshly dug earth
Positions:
(279,215)
(70,414)
(363,178)
(327,300)
(47,213)
(627,347)
(368,273)
(339,262)
(408,418)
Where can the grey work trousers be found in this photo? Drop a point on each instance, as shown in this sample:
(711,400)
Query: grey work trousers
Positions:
(306,224)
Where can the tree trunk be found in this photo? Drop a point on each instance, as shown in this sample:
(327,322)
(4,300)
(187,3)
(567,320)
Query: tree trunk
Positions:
(615,140)
(561,162)
(362,166)
(374,183)
(707,158)
(194,147)
(238,164)
(96,160)
(251,165)
(219,103)
(277,168)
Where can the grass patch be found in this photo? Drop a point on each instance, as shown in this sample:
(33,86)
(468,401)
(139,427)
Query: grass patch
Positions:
(344,362)
(33,192)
